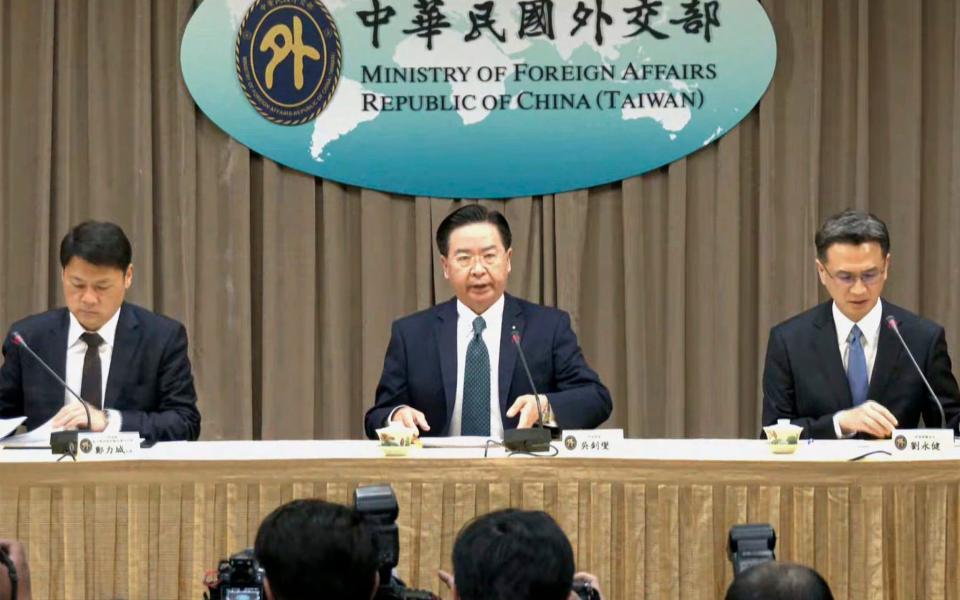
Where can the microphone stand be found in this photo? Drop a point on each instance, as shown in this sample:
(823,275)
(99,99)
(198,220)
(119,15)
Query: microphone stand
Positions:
(892,324)
(533,439)
(61,442)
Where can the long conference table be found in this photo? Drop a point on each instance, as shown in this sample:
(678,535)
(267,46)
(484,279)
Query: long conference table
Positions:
(650,518)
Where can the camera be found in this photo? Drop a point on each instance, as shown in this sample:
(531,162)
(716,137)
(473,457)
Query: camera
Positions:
(239,577)
(750,545)
(378,505)
(585,591)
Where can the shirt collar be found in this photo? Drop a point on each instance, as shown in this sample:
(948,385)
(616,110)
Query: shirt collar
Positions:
(869,324)
(108,332)
(494,314)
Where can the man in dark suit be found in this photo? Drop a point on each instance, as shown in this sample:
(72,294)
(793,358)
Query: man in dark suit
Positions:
(453,369)
(128,364)
(837,370)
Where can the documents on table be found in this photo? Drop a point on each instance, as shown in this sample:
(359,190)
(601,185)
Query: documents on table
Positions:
(8,426)
(463,441)
(35,437)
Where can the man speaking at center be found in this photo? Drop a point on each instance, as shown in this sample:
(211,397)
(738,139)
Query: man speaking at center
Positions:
(454,370)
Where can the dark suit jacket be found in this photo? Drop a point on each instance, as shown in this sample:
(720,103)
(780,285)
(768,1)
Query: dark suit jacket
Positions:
(804,379)
(149,382)
(420,368)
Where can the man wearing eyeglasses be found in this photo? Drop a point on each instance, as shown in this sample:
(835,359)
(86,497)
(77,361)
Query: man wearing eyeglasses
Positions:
(453,369)
(837,370)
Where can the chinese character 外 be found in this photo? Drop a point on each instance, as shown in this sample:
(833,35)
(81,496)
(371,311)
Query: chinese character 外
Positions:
(582,16)
(292,43)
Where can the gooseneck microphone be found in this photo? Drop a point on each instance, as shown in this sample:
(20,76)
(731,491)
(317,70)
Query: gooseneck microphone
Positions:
(534,439)
(892,324)
(19,341)
(515,336)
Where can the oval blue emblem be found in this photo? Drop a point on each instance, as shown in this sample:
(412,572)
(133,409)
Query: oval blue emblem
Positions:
(474,98)
(288,59)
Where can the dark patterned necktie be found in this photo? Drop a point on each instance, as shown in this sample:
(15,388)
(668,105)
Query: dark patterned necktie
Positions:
(91,385)
(475,413)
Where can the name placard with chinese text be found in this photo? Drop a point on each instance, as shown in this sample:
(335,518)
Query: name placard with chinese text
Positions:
(591,442)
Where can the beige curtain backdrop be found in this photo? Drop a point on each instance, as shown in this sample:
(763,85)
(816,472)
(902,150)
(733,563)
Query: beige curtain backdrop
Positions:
(287,284)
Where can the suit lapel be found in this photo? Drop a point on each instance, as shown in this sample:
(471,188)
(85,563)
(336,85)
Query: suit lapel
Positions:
(826,345)
(512,318)
(888,353)
(125,344)
(56,352)
(445,333)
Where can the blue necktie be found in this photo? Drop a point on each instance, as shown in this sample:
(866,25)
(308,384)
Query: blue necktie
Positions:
(856,368)
(475,413)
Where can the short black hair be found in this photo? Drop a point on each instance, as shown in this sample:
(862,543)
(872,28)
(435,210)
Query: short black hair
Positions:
(851,227)
(467,215)
(779,581)
(98,243)
(313,548)
(513,555)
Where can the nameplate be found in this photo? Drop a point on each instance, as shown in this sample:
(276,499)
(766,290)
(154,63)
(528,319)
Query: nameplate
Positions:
(107,446)
(591,442)
(922,442)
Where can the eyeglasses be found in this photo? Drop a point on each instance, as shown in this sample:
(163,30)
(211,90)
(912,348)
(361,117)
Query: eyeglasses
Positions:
(849,279)
(467,261)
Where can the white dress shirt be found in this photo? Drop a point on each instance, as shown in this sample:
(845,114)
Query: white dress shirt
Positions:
(491,337)
(870,330)
(77,348)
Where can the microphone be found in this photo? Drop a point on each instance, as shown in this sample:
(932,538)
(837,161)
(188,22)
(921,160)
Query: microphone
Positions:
(892,325)
(60,441)
(515,336)
(534,439)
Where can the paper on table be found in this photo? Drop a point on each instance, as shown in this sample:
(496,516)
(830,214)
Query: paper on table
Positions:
(8,426)
(464,441)
(39,436)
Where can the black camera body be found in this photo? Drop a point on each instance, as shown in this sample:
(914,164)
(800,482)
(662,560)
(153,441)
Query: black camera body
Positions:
(396,590)
(239,577)
(751,545)
(585,591)
(378,505)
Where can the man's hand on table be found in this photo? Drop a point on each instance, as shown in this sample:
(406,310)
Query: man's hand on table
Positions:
(73,416)
(870,417)
(526,407)
(410,417)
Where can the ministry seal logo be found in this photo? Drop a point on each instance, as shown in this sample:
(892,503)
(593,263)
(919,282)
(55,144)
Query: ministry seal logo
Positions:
(86,446)
(289,59)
